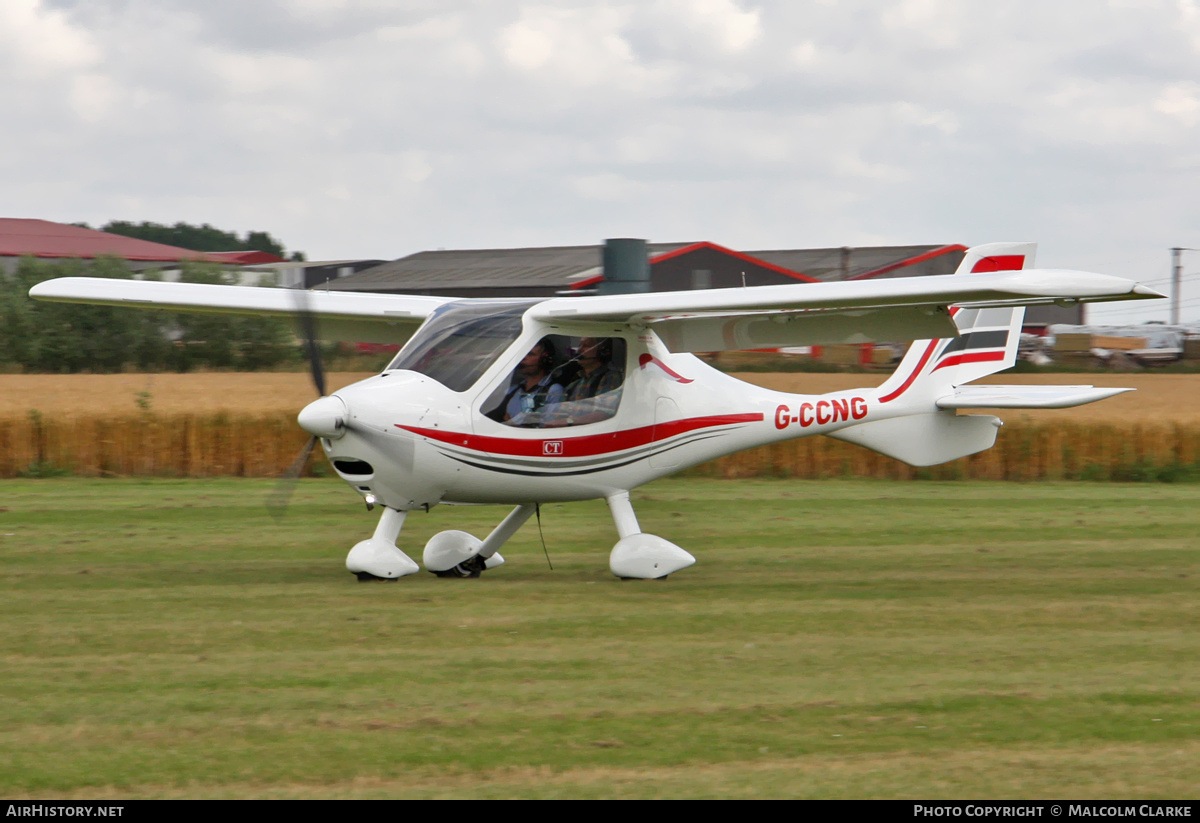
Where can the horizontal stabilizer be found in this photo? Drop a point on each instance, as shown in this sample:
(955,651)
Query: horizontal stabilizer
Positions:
(1024,397)
(925,439)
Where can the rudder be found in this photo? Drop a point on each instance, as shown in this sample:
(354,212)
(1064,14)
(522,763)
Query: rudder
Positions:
(987,342)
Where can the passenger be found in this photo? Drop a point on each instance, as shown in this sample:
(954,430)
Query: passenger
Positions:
(535,390)
(594,395)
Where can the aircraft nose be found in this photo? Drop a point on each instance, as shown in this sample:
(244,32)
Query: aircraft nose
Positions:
(324,417)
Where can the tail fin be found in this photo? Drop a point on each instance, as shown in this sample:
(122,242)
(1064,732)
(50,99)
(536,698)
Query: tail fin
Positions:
(925,389)
(987,343)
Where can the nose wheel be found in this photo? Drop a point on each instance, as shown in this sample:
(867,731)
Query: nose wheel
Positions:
(378,558)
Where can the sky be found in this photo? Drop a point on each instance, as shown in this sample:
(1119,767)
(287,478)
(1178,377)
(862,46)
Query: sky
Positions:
(378,129)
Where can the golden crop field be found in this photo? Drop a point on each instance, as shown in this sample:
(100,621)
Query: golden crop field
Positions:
(109,395)
(219,424)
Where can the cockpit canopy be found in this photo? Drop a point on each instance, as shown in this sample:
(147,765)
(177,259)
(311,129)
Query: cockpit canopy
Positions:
(460,340)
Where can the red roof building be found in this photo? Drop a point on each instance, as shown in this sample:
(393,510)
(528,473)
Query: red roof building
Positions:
(245,258)
(20,237)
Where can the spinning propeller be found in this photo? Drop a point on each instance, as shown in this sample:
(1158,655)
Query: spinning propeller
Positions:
(325,417)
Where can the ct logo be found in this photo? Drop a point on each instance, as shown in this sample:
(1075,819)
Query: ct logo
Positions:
(552,448)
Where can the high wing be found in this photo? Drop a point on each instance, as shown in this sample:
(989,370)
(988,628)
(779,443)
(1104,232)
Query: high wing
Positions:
(909,308)
(361,318)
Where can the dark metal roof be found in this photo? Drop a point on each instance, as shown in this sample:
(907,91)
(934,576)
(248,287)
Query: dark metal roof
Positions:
(552,267)
(827,264)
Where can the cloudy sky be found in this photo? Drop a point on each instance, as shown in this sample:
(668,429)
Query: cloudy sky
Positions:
(372,128)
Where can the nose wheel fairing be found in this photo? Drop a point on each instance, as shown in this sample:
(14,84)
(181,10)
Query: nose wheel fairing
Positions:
(379,557)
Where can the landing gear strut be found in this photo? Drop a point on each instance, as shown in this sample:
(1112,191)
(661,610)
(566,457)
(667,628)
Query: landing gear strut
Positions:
(458,554)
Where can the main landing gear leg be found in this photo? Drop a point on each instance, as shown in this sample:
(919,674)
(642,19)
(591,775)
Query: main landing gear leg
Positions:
(640,555)
(378,558)
(459,554)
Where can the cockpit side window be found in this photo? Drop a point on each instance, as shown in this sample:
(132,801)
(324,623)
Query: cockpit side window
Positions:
(562,381)
(459,341)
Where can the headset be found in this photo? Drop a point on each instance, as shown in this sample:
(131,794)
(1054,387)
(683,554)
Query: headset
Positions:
(546,361)
(603,348)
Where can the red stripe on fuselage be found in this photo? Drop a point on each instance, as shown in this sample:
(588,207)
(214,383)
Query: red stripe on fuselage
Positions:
(586,446)
(904,386)
(917,370)
(645,359)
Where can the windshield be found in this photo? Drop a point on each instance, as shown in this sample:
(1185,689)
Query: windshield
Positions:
(460,340)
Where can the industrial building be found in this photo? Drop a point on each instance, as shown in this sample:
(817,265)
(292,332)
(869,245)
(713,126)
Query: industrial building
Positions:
(547,271)
(565,270)
(527,272)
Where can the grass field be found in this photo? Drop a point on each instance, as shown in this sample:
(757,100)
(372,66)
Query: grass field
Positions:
(836,639)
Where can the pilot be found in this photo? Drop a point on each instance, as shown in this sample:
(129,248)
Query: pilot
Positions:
(595,393)
(535,389)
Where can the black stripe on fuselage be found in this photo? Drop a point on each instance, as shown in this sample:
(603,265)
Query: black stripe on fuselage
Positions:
(572,473)
(977,340)
(603,460)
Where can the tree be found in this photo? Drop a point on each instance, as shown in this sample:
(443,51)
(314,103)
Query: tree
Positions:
(197,238)
(66,337)
(224,341)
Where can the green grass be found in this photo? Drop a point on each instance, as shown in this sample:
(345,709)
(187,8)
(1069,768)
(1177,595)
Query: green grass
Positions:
(835,639)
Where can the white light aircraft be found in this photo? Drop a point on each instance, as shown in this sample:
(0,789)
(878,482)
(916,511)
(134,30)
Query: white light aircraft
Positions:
(522,402)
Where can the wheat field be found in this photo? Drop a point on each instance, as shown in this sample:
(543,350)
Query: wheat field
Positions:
(243,425)
(111,395)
